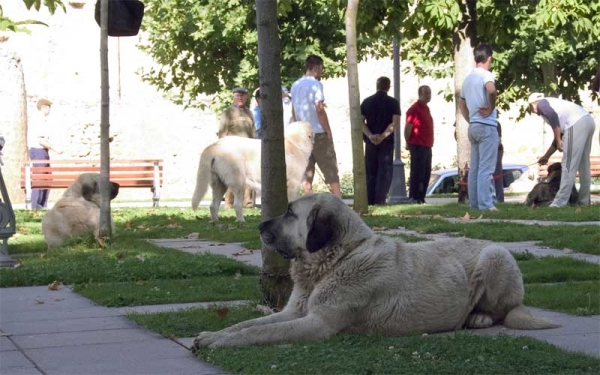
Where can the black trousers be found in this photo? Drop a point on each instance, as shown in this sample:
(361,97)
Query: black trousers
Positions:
(379,162)
(420,171)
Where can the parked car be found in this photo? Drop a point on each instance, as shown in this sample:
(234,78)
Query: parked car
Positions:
(445,181)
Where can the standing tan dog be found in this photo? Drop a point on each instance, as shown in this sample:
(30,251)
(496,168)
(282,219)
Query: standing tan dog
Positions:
(348,279)
(77,212)
(234,162)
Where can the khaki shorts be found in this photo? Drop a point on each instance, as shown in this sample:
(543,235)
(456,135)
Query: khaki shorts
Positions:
(324,156)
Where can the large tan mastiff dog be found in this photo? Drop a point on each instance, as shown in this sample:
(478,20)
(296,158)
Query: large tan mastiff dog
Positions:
(348,279)
(77,212)
(234,162)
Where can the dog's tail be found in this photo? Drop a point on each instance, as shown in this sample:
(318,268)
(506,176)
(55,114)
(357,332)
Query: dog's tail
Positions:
(520,318)
(203,176)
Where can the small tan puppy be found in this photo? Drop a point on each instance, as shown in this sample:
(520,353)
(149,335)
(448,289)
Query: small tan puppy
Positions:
(77,212)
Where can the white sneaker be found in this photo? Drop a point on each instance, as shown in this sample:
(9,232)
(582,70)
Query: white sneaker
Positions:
(554,205)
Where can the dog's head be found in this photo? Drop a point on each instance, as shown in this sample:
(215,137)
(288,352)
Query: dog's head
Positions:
(554,173)
(312,223)
(87,186)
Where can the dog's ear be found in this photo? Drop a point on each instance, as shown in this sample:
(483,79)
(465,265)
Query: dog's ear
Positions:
(114,190)
(322,231)
(89,189)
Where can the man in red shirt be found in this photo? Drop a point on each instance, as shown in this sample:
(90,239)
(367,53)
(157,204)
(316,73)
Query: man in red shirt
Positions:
(418,133)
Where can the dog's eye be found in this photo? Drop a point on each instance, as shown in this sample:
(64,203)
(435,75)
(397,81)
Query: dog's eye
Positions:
(290,212)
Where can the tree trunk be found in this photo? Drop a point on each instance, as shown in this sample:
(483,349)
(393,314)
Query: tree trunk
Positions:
(105,226)
(356,123)
(550,78)
(13,121)
(276,283)
(464,41)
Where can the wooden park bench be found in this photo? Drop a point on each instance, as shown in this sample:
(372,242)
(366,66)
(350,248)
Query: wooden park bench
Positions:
(61,173)
(594,165)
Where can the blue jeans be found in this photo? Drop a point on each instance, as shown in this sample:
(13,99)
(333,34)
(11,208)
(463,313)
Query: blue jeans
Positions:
(484,152)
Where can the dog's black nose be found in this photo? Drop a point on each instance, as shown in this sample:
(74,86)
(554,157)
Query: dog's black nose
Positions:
(261,226)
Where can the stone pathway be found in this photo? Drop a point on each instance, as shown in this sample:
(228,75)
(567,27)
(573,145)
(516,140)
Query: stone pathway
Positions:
(60,332)
(522,247)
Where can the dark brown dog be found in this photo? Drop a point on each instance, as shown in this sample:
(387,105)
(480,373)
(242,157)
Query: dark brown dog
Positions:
(543,192)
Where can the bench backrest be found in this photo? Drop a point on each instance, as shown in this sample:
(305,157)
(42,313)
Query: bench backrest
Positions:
(594,164)
(61,173)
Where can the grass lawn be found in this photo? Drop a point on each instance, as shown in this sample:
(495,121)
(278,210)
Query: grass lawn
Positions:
(452,353)
(131,271)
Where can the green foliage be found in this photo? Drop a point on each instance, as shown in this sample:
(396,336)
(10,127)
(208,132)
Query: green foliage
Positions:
(549,46)
(16,26)
(210,46)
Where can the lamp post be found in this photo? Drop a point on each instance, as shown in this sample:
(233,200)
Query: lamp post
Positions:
(398,188)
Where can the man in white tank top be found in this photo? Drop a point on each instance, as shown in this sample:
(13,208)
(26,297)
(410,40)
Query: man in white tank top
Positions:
(573,129)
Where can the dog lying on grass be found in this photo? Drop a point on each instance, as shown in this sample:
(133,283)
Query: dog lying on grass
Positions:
(543,193)
(77,212)
(234,162)
(348,279)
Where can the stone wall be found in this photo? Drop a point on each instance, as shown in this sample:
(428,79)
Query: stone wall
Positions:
(62,62)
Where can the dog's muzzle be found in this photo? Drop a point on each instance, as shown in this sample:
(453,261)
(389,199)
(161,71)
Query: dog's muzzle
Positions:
(269,240)
(265,235)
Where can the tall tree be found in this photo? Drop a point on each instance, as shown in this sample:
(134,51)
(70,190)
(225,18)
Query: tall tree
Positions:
(464,40)
(13,118)
(356,123)
(105,220)
(276,283)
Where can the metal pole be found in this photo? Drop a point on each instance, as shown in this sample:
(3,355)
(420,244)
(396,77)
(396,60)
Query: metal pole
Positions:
(398,189)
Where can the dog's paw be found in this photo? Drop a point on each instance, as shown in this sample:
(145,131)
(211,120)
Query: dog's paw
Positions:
(479,320)
(205,339)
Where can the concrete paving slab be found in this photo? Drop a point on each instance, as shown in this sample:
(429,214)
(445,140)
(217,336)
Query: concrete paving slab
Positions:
(38,292)
(196,246)
(41,315)
(82,338)
(6,344)
(20,371)
(13,359)
(151,309)
(104,336)
(147,357)
(67,325)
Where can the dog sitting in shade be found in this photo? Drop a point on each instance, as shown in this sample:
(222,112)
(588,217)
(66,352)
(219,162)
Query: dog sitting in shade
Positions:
(77,212)
(543,193)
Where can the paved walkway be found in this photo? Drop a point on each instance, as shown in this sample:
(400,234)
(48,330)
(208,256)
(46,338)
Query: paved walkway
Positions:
(61,332)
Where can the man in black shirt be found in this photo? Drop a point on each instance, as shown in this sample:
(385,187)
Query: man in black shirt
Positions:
(381,116)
